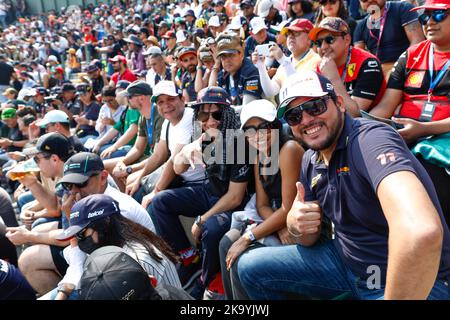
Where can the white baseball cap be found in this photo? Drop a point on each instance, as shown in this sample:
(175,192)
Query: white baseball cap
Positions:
(307,84)
(52,58)
(152,50)
(181,36)
(235,23)
(264,8)
(279,26)
(214,21)
(257,24)
(165,87)
(262,108)
(54,116)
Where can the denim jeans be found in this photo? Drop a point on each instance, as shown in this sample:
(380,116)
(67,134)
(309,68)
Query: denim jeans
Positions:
(191,201)
(121,152)
(316,272)
(24,198)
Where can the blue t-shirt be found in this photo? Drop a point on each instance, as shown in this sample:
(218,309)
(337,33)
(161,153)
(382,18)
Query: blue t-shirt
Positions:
(13,285)
(246,81)
(367,151)
(394,40)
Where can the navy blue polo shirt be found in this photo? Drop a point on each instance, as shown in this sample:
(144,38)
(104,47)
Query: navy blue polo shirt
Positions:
(246,81)
(394,40)
(366,152)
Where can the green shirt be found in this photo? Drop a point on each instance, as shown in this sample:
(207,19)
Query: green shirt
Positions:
(131,117)
(142,131)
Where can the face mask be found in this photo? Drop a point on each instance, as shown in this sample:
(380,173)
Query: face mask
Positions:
(88,245)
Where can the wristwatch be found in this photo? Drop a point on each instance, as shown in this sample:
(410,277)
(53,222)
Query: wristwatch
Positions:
(198,221)
(129,170)
(66,288)
(249,236)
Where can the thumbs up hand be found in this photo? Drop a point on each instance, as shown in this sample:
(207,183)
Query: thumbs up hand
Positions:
(304,218)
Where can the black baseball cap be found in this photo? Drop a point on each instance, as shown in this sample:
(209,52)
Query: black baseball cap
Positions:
(122,84)
(52,143)
(138,88)
(68,87)
(80,167)
(212,94)
(87,210)
(111,274)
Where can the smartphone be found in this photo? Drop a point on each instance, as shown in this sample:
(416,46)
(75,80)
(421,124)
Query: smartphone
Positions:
(390,122)
(263,49)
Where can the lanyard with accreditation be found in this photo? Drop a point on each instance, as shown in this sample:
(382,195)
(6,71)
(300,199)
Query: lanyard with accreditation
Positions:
(429,107)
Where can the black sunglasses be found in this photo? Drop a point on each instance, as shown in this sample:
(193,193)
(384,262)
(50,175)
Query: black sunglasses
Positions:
(262,126)
(38,159)
(204,116)
(80,234)
(330,39)
(69,185)
(313,107)
(324,2)
(437,15)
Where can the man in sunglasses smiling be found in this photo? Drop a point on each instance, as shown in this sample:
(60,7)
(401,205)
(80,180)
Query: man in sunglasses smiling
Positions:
(390,240)
(355,73)
(420,84)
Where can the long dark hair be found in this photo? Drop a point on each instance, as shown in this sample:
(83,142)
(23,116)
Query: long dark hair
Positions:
(342,13)
(307,7)
(116,230)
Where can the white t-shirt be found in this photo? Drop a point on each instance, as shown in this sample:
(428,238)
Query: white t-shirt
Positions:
(130,208)
(181,133)
(106,112)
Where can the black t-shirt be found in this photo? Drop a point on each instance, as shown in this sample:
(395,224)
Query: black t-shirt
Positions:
(221,174)
(15,135)
(97,85)
(77,145)
(5,73)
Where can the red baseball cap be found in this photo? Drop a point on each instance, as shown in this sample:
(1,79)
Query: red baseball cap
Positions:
(434,5)
(299,25)
(169,34)
(118,58)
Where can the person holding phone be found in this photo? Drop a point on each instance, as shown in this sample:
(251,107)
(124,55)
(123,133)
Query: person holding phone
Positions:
(302,57)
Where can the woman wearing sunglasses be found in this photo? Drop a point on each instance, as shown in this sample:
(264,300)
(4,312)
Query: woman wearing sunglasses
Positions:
(212,201)
(334,8)
(263,221)
(420,84)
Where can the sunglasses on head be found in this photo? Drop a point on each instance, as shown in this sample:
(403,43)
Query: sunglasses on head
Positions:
(204,116)
(437,15)
(262,126)
(324,2)
(330,39)
(313,107)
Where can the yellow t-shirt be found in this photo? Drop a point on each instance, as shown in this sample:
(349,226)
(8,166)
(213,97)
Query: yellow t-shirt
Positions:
(308,62)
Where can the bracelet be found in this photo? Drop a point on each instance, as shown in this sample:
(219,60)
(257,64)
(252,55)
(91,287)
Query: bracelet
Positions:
(199,68)
(298,235)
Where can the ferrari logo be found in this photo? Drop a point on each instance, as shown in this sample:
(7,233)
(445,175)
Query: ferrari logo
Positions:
(351,69)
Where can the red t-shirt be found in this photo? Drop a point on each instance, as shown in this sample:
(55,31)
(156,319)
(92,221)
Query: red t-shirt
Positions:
(411,75)
(364,76)
(126,75)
